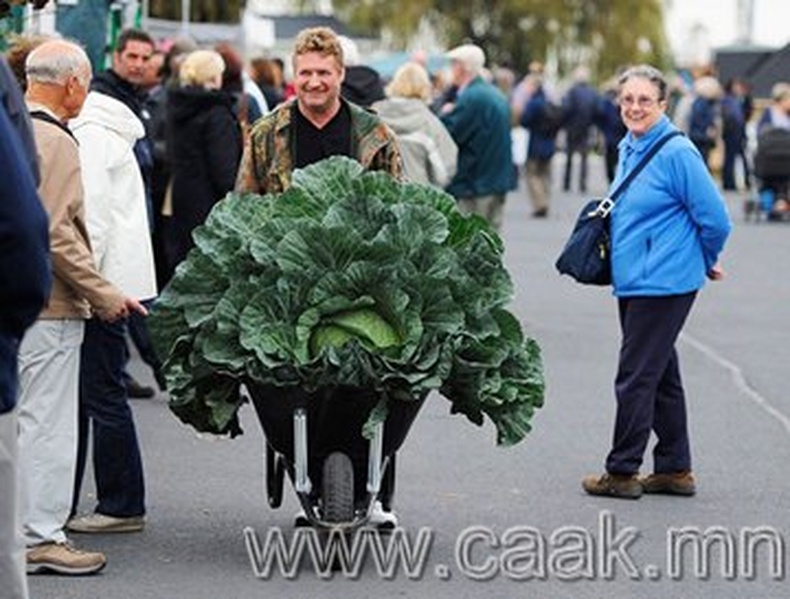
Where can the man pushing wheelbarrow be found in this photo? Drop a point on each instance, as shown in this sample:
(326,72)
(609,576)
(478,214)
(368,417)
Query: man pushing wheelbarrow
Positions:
(339,297)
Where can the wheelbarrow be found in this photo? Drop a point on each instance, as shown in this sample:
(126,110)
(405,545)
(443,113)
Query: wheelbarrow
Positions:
(316,439)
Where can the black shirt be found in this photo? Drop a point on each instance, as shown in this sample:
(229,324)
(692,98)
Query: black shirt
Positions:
(314,144)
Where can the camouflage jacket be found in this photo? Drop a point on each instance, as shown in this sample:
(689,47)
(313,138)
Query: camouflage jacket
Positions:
(267,163)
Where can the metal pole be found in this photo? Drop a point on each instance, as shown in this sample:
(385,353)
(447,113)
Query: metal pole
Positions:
(185,12)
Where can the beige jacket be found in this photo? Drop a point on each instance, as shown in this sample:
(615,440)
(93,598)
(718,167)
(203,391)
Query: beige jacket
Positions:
(77,285)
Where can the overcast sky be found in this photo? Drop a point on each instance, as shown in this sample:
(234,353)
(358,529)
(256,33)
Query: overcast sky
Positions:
(771,21)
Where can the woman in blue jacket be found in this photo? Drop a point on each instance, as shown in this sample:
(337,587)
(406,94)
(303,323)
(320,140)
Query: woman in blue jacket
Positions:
(667,229)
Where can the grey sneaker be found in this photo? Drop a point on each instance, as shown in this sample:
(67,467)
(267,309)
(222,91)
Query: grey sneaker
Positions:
(63,558)
(100,523)
(621,486)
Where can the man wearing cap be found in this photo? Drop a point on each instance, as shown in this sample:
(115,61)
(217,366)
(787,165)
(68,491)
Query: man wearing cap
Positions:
(479,122)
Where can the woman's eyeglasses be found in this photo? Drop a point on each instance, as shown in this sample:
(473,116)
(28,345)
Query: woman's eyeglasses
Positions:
(641,101)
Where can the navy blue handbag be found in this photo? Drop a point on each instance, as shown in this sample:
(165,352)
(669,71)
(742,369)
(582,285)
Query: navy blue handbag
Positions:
(587,254)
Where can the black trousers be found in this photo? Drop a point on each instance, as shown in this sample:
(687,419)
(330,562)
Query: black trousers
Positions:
(648,387)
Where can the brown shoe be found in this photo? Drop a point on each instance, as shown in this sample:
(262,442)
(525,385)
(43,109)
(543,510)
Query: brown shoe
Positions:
(671,483)
(63,558)
(622,486)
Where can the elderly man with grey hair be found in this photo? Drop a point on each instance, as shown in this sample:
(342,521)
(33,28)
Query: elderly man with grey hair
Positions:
(58,74)
(479,122)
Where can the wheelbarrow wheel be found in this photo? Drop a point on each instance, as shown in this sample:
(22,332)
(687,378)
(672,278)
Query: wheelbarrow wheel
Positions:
(338,488)
(275,476)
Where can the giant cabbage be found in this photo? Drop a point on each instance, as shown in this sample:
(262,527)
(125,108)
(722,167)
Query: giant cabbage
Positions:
(349,278)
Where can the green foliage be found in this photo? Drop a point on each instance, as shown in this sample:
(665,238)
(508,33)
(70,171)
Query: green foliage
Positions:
(605,34)
(349,278)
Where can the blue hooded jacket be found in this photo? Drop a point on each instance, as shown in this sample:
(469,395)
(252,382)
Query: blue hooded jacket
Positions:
(669,226)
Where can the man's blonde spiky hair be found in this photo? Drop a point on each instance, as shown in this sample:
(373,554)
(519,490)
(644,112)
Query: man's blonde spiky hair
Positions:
(321,40)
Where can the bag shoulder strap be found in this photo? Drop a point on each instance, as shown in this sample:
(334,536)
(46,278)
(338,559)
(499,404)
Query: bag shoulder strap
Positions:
(642,164)
(40,115)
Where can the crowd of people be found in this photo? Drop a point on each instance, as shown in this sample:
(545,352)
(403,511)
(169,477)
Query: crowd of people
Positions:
(130,160)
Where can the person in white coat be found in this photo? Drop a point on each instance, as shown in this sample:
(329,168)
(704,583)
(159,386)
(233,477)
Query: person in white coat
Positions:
(429,152)
(117,220)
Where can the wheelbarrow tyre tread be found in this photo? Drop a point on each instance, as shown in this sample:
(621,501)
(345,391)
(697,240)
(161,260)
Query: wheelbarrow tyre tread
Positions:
(338,488)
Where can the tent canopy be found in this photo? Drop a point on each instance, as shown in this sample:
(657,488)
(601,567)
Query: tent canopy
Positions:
(387,65)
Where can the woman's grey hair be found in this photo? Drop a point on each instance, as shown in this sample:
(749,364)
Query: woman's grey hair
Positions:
(645,71)
(57,60)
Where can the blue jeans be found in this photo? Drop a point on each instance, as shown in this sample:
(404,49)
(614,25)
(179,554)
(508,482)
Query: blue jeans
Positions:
(104,410)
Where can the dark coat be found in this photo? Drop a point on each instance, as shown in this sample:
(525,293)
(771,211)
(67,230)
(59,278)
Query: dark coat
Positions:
(702,122)
(204,141)
(480,126)
(25,274)
(734,123)
(580,103)
(541,144)
(14,103)
(609,121)
(362,86)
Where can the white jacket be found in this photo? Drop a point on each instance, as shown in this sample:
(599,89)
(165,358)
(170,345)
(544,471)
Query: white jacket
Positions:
(115,200)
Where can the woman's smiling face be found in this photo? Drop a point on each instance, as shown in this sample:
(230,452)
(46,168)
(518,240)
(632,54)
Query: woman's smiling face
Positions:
(641,104)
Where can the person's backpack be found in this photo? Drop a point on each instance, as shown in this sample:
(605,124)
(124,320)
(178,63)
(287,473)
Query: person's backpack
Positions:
(552,120)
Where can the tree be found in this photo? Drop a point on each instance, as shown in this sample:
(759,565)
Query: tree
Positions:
(201,11)
(599,33)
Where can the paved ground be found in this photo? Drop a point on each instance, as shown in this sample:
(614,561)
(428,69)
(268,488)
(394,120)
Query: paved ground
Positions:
(502,514)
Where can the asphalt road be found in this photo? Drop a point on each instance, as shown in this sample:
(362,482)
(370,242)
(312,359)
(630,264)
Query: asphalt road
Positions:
(514,522)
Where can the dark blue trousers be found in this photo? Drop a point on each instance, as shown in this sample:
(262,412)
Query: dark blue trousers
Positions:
(138,331)
(104,411)
(648,386)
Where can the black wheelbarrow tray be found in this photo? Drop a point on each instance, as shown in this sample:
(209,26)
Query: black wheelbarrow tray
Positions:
(316,438)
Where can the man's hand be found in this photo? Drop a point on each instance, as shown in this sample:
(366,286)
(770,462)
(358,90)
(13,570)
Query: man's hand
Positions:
(122,310)
(132,305)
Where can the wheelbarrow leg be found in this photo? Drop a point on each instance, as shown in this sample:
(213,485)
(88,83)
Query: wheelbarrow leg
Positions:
(302,482)
(387,492)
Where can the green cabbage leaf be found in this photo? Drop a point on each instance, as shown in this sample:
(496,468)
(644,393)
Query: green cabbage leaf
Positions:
(348,278)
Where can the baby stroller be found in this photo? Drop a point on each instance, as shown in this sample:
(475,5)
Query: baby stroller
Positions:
(317,440)
(772,167)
